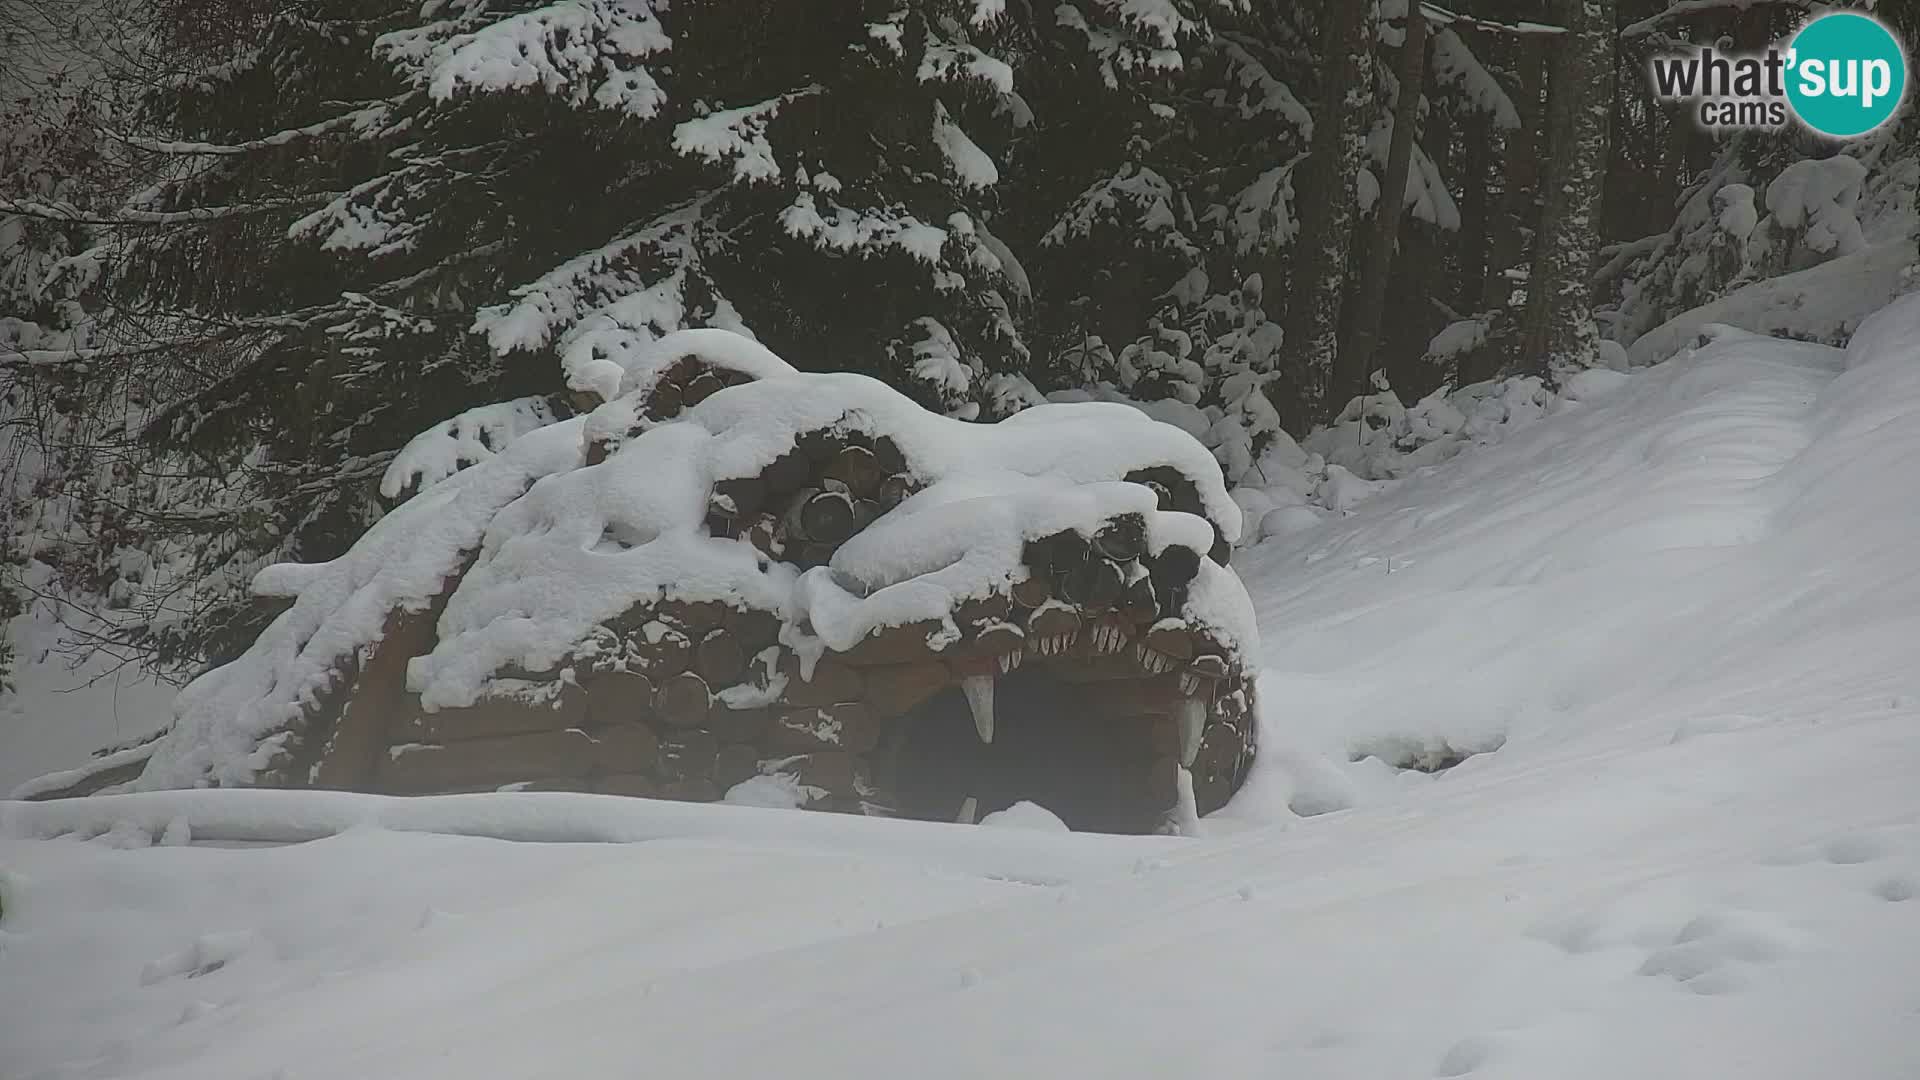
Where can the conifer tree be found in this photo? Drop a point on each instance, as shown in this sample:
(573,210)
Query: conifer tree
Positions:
(378,213)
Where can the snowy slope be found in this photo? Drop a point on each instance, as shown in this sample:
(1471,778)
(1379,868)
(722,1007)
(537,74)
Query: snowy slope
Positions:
(1725,542)
(1686,614)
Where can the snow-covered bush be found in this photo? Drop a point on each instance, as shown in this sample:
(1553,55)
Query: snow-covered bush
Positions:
(1761,214)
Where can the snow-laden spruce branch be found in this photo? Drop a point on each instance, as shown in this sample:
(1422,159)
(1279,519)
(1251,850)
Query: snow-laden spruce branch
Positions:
(35,358)
(1620,255)
(219,330)
(1440,16)
(73,215)
(1682,8)
(360,119)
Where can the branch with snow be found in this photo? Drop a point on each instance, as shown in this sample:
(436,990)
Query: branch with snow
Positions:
(1440,16)
(468,439)
(1264,92)
(1680,9)
(67,212)
(949,62)
(1136,196)
(969,163)
(1130,35)
(739,135)
(364,218)
(868,230)
(580,50)
(1454,64)
(361,120)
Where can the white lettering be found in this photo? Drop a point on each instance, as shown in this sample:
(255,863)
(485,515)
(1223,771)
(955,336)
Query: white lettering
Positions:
(1843,87)
(1813,77)
(1878,82)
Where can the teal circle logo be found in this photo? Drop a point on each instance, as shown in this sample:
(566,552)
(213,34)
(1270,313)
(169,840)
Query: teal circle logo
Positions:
(1846,74)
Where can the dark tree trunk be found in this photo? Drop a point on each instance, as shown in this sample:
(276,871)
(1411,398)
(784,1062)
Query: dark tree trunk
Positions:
(1474,211)
(1560,334)
(1519,211)
(1329,207)
(1356,360)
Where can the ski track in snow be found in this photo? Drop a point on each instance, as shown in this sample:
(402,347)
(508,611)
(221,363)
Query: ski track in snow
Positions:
(1682,619)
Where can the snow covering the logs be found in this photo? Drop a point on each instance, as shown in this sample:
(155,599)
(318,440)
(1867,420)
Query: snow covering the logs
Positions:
(729,570)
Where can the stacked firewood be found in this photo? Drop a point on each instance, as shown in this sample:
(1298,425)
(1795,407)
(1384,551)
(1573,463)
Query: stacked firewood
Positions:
(808,501)
(1178,493)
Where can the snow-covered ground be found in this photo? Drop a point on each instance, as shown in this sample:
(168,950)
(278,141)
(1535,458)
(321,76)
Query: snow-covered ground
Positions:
(56,713)
(1677,625)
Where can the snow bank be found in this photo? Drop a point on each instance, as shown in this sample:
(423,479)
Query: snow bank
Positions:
(1736,903)
(1035,856)
(1377,441)
(101,764)
(1825,302)
(1718,536)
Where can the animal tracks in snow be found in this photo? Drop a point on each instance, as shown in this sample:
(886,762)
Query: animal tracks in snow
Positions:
(1727,946)
(1852,848)
(1896,888)
(207,954)
(1465,1056)
(1716,953)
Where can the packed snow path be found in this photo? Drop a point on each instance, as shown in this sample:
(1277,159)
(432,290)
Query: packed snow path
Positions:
(1675,627)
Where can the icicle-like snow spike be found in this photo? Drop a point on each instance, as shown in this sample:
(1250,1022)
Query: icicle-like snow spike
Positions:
(969,810)
(979,691)
(1192,715)
(1186,809)
(1189,683)
(1015,659)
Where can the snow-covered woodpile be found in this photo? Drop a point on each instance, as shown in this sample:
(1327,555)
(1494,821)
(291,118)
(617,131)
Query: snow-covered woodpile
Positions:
(732,579)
